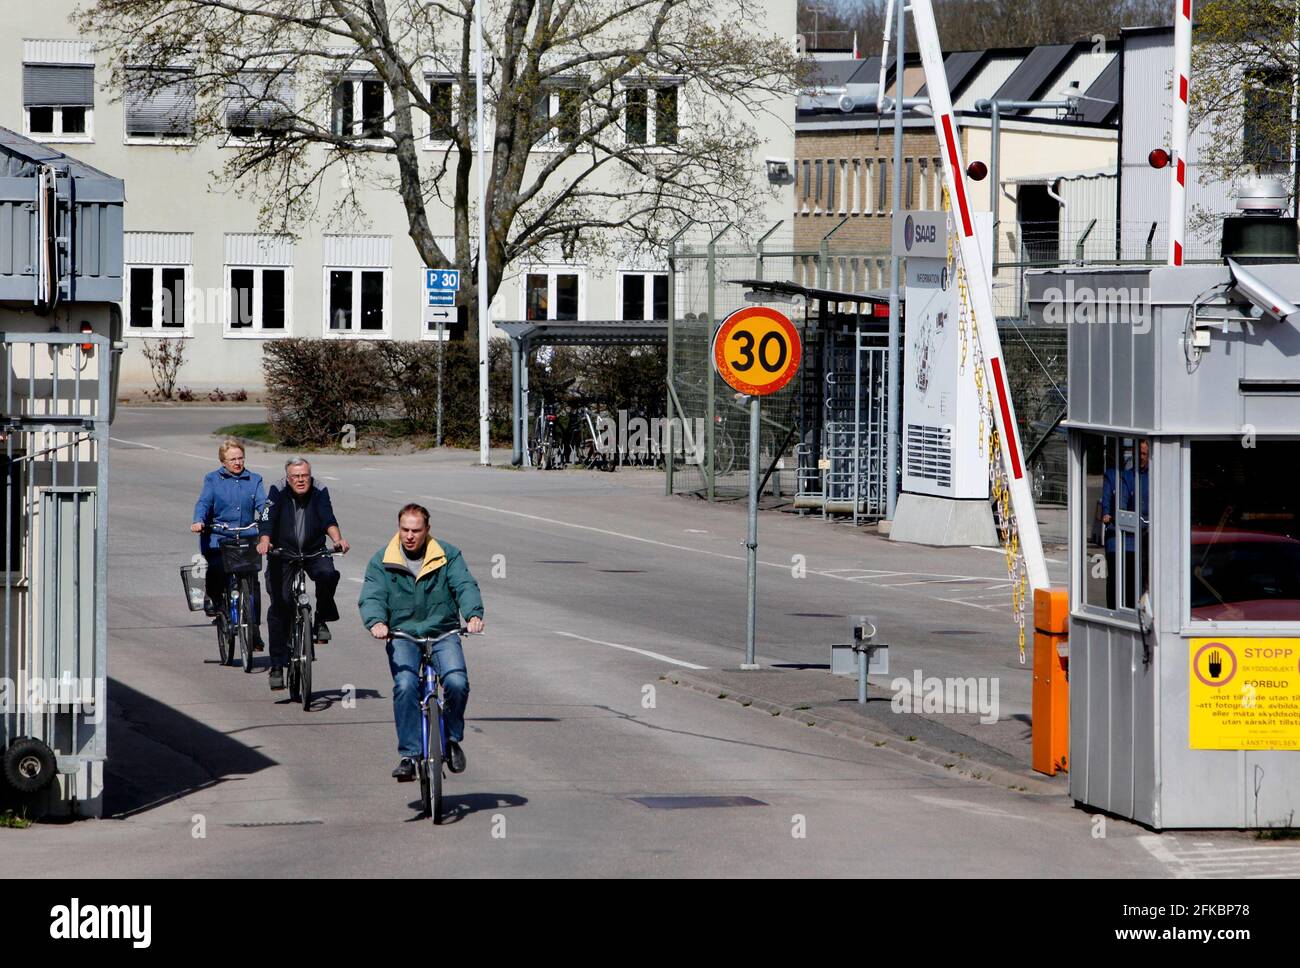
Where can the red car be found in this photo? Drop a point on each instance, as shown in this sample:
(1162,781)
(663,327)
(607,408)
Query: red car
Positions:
(1245,576)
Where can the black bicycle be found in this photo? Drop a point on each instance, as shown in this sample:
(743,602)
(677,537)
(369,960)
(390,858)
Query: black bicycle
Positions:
(433,729)
(234,623)
(302,639)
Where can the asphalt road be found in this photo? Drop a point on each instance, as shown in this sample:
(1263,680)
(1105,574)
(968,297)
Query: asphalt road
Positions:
(595,585)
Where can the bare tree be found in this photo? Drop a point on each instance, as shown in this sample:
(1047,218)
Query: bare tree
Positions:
(1245,71)
(571,77)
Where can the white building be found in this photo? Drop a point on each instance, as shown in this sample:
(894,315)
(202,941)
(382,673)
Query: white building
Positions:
(197,265)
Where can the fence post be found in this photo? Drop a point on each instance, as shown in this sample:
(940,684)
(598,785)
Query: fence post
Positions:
(1078,249)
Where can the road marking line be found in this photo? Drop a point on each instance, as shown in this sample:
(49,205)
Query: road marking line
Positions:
(140,443)
(630,648)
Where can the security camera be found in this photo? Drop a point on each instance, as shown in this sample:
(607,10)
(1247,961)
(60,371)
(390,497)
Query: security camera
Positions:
(779,171)
(1261,296)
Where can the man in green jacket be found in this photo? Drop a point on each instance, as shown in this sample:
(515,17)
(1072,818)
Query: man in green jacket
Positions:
(422,587)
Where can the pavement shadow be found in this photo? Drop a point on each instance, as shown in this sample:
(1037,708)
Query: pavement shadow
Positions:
(457,808)
(329,697)
(159,754)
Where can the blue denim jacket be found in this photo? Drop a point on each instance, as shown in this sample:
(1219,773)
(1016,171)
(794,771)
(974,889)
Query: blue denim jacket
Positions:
(226,499)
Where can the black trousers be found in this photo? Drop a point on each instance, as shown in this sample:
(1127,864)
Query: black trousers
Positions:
(279,589)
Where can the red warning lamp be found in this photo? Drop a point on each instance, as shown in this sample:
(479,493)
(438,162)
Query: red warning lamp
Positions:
(86,330)
(1158,158)
(977,171)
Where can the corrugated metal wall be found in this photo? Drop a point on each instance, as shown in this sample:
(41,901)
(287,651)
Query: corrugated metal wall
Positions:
(1148,66)
(1087,199)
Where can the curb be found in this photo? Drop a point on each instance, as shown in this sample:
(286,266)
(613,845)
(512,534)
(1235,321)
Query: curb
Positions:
(963,765)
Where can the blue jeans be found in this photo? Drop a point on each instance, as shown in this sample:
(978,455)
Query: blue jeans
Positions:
(404,663)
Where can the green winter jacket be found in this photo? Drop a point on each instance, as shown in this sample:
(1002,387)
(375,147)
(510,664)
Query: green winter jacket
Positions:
(432,603)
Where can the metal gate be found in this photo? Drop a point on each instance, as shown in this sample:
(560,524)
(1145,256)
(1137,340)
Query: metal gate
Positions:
(55,532)
(841,461)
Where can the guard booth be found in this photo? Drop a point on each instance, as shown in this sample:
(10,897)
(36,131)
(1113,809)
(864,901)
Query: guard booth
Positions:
(1184,538)
(60,327)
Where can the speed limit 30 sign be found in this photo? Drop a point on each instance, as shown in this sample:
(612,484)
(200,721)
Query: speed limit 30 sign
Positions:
(757,350)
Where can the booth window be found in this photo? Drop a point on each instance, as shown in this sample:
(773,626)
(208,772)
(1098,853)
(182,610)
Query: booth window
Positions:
(1116,521)
(1245,532)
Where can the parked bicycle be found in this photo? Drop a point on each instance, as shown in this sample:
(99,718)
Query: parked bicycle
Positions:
(433,729)
(302,642)
(235,619)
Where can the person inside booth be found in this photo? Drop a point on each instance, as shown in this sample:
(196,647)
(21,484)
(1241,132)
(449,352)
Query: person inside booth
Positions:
(1128,489)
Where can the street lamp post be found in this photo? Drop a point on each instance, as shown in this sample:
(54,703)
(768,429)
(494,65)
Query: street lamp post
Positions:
(484,325)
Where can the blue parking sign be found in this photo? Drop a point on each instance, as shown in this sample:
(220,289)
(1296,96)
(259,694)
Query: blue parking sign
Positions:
(442,279)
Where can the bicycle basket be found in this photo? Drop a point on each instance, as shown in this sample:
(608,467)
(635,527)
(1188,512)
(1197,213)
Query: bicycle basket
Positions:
(192,580)
(239,556)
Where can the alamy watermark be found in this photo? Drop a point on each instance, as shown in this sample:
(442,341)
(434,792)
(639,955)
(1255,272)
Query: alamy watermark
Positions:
(930,694)
(1104,305)
(63,694)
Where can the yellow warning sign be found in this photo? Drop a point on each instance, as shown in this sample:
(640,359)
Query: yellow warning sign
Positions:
(1244,694)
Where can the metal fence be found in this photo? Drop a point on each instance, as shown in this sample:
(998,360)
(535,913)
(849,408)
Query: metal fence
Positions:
(704,293)
(55,532)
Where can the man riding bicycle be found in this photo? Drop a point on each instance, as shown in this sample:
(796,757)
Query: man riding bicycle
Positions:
(422,587)
(298,518)
(232,498)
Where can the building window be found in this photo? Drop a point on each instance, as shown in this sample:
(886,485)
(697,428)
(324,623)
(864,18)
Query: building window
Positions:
(444,119)
(356,301)
(1116,520)
(1267,131)
(558,115)
(259,103)
(553,294)
(650,114)
(1244,532)
(643,295)
(257,300)
(156,298)
(59,100)
(358,109)
(159,105)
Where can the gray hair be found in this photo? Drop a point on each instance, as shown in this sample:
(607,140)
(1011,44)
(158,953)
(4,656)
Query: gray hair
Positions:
(294,462)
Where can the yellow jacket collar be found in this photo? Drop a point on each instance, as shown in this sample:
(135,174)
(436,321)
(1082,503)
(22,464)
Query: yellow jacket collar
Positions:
(434,556)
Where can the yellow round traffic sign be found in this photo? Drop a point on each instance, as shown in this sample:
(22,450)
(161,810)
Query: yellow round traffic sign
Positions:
(757,350)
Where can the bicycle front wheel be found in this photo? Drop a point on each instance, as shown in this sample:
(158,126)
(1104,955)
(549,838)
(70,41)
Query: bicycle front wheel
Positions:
(225,640)
(244,626)
(305,657)
(433,764)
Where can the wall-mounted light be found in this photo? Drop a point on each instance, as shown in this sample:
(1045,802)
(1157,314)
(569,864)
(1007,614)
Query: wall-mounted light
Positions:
(87,330)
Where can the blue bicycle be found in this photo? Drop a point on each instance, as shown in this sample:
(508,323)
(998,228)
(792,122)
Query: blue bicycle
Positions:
(433,728)
(235,619)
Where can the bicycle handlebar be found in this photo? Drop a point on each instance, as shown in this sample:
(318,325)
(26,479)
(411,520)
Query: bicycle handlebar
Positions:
(218,526)
(298,556)
(428,640)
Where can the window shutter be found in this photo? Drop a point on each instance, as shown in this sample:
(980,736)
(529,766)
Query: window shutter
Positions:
(58,85)
(259,99)
(161,104)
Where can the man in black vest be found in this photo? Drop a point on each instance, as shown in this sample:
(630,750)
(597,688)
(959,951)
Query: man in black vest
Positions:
(298,517)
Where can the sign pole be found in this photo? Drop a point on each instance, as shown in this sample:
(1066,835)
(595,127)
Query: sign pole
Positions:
(440,352)
(751,542)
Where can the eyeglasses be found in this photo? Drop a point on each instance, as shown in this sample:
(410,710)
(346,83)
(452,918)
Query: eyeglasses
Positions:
(300,477)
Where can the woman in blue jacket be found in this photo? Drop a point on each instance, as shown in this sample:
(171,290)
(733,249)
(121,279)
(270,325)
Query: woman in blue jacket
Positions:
(232,496)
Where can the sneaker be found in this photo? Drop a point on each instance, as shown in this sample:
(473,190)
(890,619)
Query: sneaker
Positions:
(255,639)
(405,771)
(277,678)
(455,757)
(209,607)
(322,632)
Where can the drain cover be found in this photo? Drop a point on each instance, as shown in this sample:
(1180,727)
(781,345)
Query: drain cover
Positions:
(276,823)
(690,803)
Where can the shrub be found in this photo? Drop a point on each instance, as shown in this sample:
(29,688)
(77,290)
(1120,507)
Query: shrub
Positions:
(315,387)
(165,357)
